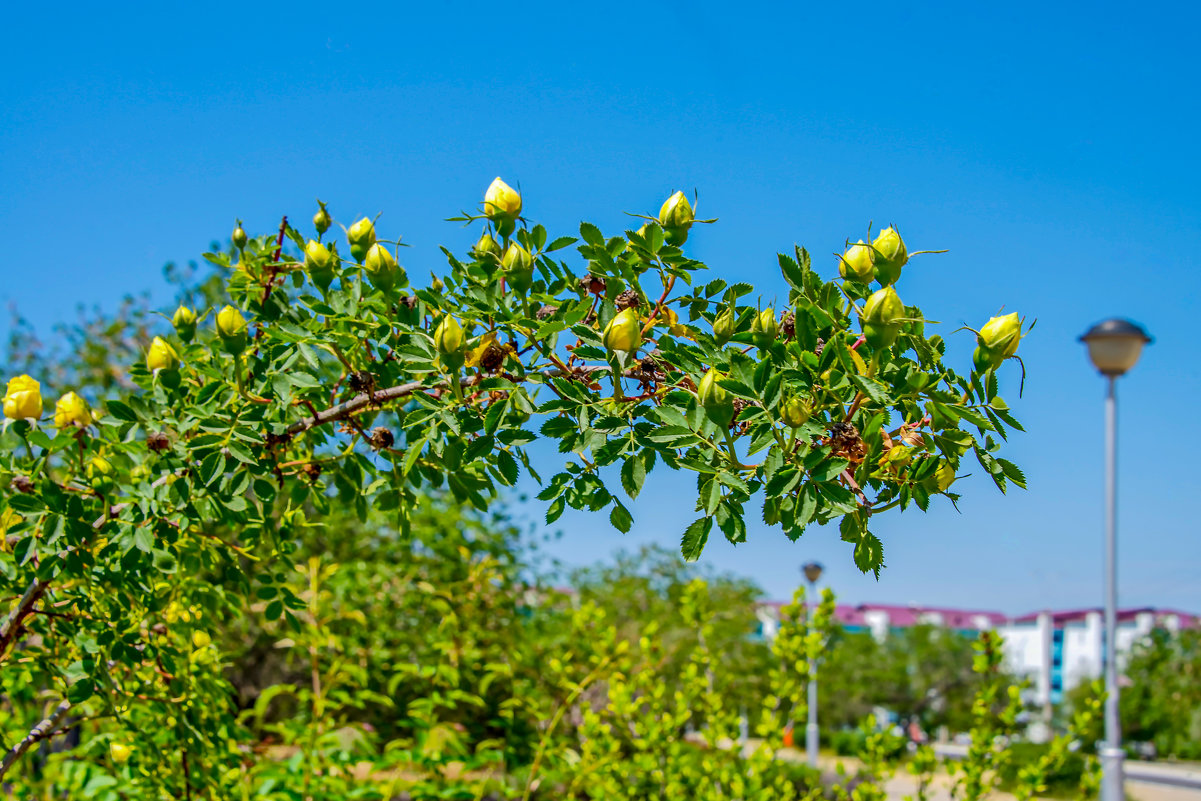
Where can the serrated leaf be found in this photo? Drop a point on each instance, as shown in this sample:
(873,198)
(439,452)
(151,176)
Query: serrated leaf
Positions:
(694,539)
(591,234)
(873,389)
(507,466)
(869,554)
(633,474)
(620,518)
(792,272)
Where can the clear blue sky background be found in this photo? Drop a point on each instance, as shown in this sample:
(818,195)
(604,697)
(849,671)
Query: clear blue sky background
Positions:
(1051,147)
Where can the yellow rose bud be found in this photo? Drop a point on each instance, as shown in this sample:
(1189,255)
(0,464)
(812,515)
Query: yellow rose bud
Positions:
(724,326)
(161,356)
(795,412)
(23,398)
(231,328)
(502,203)
(184,321)
(676,216)
(881,317)
(764,328)
(71,410)
(856,263)
(361,236)
(715,399)
(448,336)
(320,263)
(623,333)
(201,639)
(1002,334)
(889,255)
(321,220)
(518,264)
(382,269)
(119,753)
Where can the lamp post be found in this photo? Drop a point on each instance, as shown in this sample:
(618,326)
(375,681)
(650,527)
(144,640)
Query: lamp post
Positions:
(812,571)
(1113,347)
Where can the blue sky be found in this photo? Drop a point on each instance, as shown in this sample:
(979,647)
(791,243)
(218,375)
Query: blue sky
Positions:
(1050,147)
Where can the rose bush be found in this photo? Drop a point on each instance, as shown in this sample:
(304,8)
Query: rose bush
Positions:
(131,518)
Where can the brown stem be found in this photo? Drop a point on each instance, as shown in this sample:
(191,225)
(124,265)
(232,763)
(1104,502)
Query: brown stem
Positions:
(658,305)
(12,624)
(47,728)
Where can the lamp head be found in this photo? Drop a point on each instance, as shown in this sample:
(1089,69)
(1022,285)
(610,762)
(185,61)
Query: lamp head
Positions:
(1115,345)
(812,571)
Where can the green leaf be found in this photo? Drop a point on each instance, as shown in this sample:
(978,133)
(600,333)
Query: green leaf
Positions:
(507,466)
(869,554)
(829,469)
(591,234)
(620,518)
(1013,472)
(694,539)
(561,243)
(633,474)
(792,272)
(121,411)
(873,389)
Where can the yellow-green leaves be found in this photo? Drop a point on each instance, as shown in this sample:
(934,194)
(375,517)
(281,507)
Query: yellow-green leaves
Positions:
(23,398)
(623,333)
(231,330)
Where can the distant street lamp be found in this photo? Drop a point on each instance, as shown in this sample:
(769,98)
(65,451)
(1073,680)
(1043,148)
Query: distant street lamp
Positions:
(812,571)
(1113,347)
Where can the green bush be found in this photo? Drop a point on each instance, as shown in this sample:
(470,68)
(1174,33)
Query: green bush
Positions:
(1062,780)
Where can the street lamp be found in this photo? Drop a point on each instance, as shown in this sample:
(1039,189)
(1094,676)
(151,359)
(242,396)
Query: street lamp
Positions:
(1113,347)
(812,571)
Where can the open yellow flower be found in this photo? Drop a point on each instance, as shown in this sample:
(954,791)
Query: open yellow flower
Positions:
(23,398)
(72,410)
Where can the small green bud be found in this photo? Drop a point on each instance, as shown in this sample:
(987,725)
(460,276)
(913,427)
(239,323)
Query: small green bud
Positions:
(486,248)
(322,220)
(795,412)
(724,326)
(184,321)
(764,328)
(231,329)
(361,236)
(448,336)
(321,264)
(239,236)
(382,269)
(881,318)
(715,399)
(623,333)
(519,268)
(856,263)
(889,256)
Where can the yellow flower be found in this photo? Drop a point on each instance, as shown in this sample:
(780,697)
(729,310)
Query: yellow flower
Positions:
(201,639)
(119,752)
(501,201)
(23,398)
(161,355)
(488,346)
(71,410)
(674,327)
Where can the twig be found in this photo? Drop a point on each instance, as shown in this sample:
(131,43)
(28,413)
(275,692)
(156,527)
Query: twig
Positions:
(47,728)
(12,624)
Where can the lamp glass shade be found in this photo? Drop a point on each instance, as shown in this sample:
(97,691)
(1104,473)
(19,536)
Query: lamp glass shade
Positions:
(812,571)
(1114,346)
